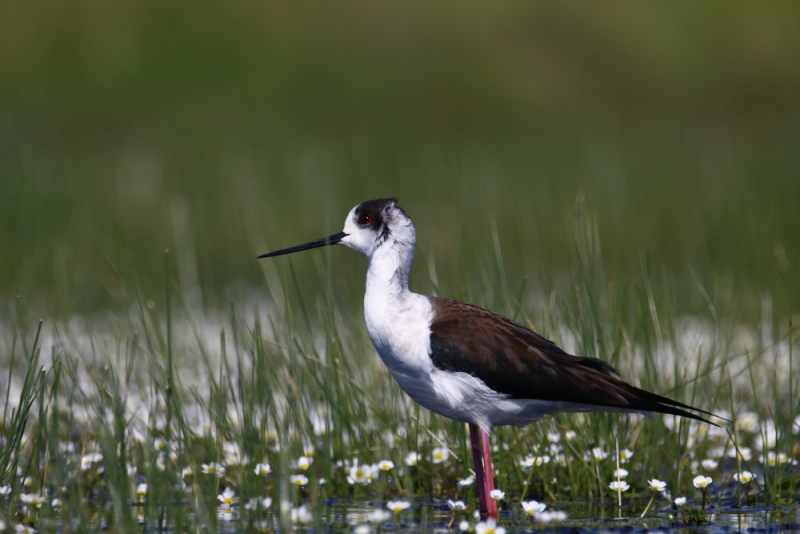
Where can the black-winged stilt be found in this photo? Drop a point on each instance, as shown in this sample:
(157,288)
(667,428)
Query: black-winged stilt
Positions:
(465,362)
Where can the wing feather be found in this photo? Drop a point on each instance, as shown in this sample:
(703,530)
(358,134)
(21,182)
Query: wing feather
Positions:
(518,362)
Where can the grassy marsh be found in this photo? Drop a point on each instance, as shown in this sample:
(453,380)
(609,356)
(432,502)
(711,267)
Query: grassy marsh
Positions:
(620,177)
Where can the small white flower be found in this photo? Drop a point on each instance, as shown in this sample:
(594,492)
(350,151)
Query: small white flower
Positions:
(619,486)
(298,480)
(745,453)
(34,499)
(228,497)
(709,464)
(527,462)
(213,469)
(599,454)
(304,462)
(360,474)
(187,471)
(263,469)
(55,503)
(497,494)
(141,490)
(570,435)
(385,465)
(88,460)
(439,455)
(533,507)
(701,482)
(5,491)
(553,437)
(412,458)
(744,477)
(23,529)
(362,529)
(463,526)
(560,459)
(397,506)
(489,527)
(625,455)
(456,505)
(620,473)
(657,485)
(464,483)
(680,501)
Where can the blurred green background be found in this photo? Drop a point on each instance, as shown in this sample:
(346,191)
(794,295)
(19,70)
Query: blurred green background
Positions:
(224,130)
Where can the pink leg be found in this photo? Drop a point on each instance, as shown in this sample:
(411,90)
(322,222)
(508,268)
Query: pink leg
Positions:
(482,457)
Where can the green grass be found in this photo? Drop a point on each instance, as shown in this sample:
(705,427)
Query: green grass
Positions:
(280,375)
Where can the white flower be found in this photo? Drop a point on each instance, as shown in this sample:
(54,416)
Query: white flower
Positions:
(213,469)
(385,465)
(701,482)
(263,469)
(464,483)
(301,515)
(533,507)
(88,460)
(680,501)
(527,462)
(298,480)
(187,471)
(439,455)
(744,477)
(397,506)
(619,486)
(227,497)
(34,499)
(497,494)
(657,485)
(362,529)
(23,529)
(709,464)
(553,437)
(379,515)
(141,490)
(625,455)
(412,458)
(570,435)
(599,454)
(489,527)
(620,473)
(55,503)
(359,474)
(456,505)
(304,462)
(463,526)
(560,459)
(5,491)
(549,517)
(745,453)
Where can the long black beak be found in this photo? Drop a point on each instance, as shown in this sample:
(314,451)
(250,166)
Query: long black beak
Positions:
(332,240)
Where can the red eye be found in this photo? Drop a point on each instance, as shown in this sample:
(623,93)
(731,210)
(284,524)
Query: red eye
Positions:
(365,220)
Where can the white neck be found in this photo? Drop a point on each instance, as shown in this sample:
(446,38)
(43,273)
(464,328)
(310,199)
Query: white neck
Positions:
(387,275)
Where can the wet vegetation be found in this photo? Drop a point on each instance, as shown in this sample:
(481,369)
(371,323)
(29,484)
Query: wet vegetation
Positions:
(622,178)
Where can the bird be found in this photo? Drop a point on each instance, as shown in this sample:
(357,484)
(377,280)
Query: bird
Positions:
(465,362)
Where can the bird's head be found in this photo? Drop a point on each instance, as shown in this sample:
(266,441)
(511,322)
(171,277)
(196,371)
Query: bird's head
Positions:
(369,227)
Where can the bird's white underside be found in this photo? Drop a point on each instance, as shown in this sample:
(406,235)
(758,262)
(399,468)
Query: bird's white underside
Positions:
(398,322)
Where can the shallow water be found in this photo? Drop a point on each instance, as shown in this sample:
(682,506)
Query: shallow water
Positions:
(432,515)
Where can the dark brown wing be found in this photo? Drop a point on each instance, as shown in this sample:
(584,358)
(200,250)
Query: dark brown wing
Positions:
(518,362)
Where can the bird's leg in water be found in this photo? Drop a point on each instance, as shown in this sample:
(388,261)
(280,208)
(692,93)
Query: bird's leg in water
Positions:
(484,474)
